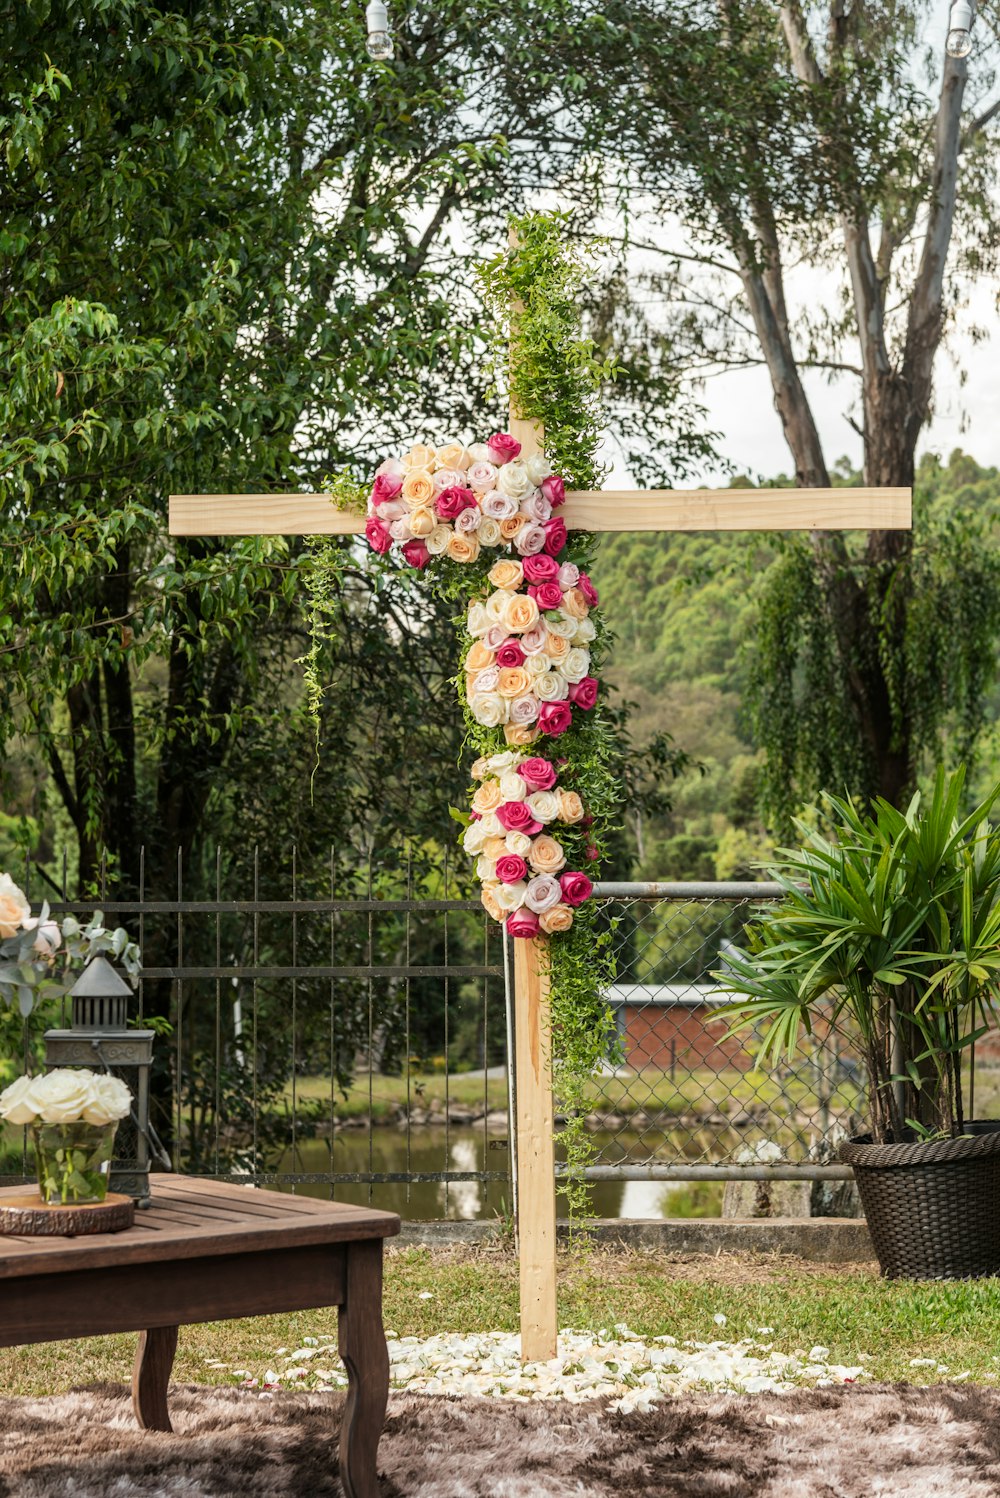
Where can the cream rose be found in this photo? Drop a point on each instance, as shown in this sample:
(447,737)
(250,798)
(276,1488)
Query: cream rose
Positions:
(419,456)
(510,896)
(559,918)
(551,687)
(574,604)
(586,631)
(512,787)
(537,665)
(502,760)
(570,807)
(422,523)
(418,489)
(560,624)
(513,479)
(546,856)
(473,839)
(488,797)
(490,709)
(15,911)
(454,455)
(506,574)
(486,869)
(520,733)
(537,467)
(478,452)
(575,666)
(437,541)
(489,532)
(478,621)
(463,548)
(496,605)
(490,823)
(520,613)
(544,805)
(519,843)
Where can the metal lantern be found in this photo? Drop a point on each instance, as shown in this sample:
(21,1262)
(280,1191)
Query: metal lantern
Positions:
(101,1039)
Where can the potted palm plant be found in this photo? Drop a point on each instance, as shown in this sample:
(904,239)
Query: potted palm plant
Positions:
(890,927)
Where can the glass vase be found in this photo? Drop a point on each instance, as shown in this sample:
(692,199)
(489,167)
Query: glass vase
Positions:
(73,1161)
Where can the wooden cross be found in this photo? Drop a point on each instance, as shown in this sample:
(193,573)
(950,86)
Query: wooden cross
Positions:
(600,510)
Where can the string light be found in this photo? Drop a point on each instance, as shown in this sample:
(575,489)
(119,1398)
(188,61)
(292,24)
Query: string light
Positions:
(379,44)
(959,43)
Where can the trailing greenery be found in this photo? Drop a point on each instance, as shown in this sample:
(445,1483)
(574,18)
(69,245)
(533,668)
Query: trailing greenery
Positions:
(890,919)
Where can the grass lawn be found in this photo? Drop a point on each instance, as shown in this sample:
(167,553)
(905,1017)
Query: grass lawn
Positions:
(848,1309)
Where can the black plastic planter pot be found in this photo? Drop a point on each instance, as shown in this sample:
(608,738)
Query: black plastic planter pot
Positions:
(933,1210)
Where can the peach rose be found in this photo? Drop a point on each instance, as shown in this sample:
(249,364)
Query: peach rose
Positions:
(514,682)
(494,848)
(478,658)
(422,522)
(546,856)
(418,489)
(419,456)
(14,908)
(463,548)
(480,767)
(557,647)
(488,797)
(506,574)
(574,604)
(510,527)
(570,807)
(520,733)
(454,455)
(489,903)
(520,613)
(559,918)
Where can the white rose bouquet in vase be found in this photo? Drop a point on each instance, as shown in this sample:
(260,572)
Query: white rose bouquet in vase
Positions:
(73,1115)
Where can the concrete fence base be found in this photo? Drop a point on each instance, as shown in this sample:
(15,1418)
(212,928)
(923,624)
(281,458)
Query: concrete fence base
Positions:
(824,1240)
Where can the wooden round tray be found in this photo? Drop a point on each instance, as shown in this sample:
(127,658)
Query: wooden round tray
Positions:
(29,1217)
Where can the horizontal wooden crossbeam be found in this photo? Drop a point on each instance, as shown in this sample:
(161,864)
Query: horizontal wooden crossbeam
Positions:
(588,510)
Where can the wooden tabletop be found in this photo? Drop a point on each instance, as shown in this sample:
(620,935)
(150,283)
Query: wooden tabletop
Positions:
(191,1218)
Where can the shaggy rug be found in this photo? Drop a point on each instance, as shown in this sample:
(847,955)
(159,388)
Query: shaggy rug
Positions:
(896,1440)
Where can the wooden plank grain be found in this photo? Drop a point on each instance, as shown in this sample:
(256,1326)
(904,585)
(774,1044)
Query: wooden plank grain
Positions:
(596,510)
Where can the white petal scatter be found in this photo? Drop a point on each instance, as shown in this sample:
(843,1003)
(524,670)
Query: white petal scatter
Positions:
(635,1372)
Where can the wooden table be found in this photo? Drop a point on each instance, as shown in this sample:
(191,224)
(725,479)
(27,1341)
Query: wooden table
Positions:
(207,1252)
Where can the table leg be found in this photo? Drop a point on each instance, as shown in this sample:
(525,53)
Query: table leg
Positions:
(154,1358)
(363,1348)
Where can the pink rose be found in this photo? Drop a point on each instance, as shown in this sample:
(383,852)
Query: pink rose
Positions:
(588,590)
(516,816)
(556,536)
(468,521)
(546,595)
(510,654)
(451,502)
(569,575)
(533,640)
(531,538)
(416,554)
(482,476)
(593,852)
(537,773)
(584,693)
(494,637)
(524,709)
(575,888)
(543,892)
(503,447)
(499,506)
(540,569)
(554,490)
(486,680)
(386,487)
(390,509)
(523,922)
(510,869)
(555,717)
(536,507)
(379,538)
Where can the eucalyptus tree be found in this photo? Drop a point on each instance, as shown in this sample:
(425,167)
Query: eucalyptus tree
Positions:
(830,145)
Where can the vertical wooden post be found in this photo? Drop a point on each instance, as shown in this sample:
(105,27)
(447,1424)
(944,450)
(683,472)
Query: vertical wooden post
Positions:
(536,1167)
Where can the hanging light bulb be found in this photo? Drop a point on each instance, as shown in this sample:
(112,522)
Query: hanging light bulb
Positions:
(959,43)
(379,44)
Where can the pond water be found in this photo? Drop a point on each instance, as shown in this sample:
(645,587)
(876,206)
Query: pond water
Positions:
(385,1151)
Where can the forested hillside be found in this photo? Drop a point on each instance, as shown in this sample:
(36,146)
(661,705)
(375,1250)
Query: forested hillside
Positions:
(683,610)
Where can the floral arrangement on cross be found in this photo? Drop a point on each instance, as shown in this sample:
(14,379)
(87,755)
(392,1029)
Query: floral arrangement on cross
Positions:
(526,670)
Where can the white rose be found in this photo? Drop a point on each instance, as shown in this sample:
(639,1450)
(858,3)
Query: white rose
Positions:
(575,665)
(496,605)
(489,532)
(479,452)
(14,908)
(16,1104)
(586,630)
(48,938)
(519,843)
(473,839)
(551,687)
(512,787)
(490,823)
(513,479)
(111,1100)
(537,665)
(486,869)
(544,805)
(510,896)
(558,624)
(538,467)
(478,621)
(503,760)
(437,541)
(61,1096)
(489,709)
